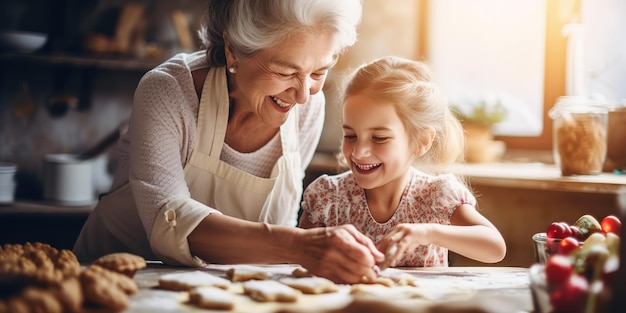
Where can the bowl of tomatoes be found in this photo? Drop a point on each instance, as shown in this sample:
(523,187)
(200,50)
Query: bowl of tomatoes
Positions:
(544,247)
(577,274)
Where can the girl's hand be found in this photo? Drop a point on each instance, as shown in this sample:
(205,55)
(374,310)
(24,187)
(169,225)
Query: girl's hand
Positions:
(404,237)
(341,254)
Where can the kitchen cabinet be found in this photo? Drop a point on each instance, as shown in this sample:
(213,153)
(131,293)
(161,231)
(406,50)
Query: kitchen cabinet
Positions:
(522,199)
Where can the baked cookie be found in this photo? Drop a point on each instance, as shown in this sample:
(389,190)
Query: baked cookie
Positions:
(34,264)
(29,264)
(36,277)
(212,298)
(106,288)
(269,291)
(67,263)
(122,262)
(310,285)
(70,294)
(184,281)
(32,299)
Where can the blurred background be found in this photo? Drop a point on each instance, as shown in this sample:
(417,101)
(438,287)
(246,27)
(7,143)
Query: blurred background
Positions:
(68,81)
(68,70)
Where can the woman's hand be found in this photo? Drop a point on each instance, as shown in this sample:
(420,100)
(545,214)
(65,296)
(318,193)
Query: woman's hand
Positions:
(341,254)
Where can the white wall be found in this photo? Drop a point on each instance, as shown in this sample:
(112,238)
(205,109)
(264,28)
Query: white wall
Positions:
(605,49)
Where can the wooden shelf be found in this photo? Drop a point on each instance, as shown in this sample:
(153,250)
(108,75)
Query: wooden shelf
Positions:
(541,177)
(77,60)
(23,207)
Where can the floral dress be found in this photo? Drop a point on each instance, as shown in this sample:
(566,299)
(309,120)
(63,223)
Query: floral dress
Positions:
(337,200)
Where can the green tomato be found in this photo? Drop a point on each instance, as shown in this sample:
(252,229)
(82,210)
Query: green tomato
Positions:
(588,225)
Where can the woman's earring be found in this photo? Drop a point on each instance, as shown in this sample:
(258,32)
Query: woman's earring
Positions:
(232,70)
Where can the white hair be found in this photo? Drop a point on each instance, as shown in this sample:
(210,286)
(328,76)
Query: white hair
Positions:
(254,25)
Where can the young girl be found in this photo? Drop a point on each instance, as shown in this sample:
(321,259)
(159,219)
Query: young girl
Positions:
(394,122)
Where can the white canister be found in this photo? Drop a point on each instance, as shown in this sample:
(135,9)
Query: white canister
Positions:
(7,182)
(68,180)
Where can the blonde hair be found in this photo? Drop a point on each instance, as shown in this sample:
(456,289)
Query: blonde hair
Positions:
(406,84)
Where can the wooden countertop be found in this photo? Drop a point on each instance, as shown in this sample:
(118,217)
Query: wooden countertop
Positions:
(488,288)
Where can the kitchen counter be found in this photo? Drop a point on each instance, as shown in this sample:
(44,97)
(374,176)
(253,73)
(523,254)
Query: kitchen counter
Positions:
(492,289)
(42,221)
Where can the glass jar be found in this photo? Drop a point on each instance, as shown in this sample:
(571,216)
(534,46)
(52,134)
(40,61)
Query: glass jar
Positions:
(579,135)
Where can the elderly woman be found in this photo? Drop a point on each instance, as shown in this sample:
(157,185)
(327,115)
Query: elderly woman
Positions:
(212,165)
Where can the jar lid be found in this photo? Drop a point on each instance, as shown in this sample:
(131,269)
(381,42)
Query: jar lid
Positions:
(61,158)
(576,104)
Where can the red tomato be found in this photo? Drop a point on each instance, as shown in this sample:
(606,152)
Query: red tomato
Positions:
(558,230)
(611,224)
(559,268)
(568,245)
(576,232)
(552,245)
(571,296)
(567,231)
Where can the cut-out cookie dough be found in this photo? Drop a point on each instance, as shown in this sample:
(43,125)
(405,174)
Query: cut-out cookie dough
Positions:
(240,274)
(381,291)
(269,291)
(380,280)
(212,298)
(299,272)
(310,285)
(184,281)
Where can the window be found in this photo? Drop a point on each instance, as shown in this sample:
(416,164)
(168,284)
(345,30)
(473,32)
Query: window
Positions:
(516,50)
(491,51)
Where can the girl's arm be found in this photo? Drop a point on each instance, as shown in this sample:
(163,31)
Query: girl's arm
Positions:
(470,234)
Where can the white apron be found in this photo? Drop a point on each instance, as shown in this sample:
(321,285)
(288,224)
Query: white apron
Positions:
(114,225)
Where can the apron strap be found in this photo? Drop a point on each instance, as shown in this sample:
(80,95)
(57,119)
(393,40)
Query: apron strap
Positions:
(215,82)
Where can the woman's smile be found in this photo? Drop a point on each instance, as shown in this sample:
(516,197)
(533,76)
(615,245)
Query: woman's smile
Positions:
(282,105)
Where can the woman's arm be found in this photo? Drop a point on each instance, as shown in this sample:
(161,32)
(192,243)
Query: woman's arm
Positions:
(341,254)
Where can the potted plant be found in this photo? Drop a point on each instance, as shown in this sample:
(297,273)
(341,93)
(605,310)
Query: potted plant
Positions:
(478,120)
